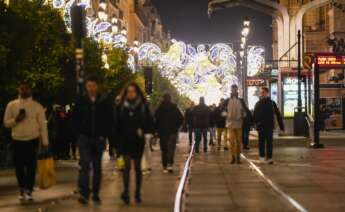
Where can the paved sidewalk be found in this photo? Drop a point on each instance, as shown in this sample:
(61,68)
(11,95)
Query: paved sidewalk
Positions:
(217,186)
(158,192)
(315,178)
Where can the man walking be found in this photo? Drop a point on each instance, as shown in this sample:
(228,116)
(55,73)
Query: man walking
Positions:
(93,121)
(189,122)
(266,114)
(27,121)
(168,121)
(236,112)
(201,123)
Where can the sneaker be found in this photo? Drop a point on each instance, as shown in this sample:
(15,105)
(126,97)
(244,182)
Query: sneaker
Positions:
(270,161)
(28,196)
(165,171)
(205,150)
(146,172)
(262,160)
(21,196)
(83,200)
(233,160)
(96,199)
(170,169)
(238,160)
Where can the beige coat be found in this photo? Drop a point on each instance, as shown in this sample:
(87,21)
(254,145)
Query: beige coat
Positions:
(33,126)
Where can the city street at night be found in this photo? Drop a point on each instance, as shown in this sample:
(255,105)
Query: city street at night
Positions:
(172,105)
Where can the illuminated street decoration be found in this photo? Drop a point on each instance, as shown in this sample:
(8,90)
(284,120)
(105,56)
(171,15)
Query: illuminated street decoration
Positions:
(256,59)
(101,27)
(195,72)
(67,15)
(58,3)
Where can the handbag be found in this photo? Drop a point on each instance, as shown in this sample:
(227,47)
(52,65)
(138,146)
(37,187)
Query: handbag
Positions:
(46,170)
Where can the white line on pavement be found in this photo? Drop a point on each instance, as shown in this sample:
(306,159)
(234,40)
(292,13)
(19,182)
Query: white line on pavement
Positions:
(287,197)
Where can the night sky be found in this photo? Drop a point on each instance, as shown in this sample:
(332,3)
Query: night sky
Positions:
(187,20)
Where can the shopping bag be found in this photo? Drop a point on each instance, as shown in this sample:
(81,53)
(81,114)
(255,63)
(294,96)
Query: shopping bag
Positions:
(120,163)
(46,171)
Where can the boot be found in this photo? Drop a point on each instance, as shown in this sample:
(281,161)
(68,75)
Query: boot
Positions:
(238,160)
(233,161)
(138,197)
(125,197)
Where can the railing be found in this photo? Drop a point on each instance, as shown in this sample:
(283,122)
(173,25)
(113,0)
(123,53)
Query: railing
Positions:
(178,205)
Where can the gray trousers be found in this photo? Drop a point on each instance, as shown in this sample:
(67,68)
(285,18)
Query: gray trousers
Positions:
(168,147)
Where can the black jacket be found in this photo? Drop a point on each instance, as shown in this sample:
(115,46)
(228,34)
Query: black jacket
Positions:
(93,119)
(219,119)
(168,118)
(201,116)
(188,118)
(264,112)
(131,125)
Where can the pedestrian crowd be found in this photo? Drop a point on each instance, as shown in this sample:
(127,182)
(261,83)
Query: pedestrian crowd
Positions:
(127,125)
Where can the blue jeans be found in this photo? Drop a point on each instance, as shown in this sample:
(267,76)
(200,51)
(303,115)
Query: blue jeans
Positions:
(200,133)
(91,152)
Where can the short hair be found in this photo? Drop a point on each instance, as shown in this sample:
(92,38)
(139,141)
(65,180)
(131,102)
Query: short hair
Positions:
(234,86)
(167,97)
(25,82)
(265,89)
(91,78)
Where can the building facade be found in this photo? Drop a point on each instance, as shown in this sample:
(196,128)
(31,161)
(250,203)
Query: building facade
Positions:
(139,18)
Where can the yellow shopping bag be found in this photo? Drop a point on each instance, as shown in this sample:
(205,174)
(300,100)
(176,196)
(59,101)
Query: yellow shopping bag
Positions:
(46,172)
(120,163)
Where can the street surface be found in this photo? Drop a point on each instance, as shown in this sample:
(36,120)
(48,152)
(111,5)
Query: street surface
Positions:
(315,179)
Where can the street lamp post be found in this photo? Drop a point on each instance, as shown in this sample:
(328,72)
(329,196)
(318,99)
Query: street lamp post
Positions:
(243,55)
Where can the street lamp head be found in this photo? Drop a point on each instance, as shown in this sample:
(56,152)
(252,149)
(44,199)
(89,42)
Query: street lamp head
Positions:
(245,31)
(136,43)
(102,15)
(103,5)
(115,29)
(124,32)
(114,20)
(246,22)
(242,45)
(243,40)
(242,53)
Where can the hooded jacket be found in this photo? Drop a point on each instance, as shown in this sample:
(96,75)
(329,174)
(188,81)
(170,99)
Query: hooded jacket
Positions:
(168,118)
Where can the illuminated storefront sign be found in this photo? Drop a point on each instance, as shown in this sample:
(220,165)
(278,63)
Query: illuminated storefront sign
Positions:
(330,60)
(290,95)
(256,82)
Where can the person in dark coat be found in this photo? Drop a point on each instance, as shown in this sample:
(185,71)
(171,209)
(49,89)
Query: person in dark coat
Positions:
(189,122)
(201,123)
(212,128)
(134,123)
(220,122)
(168,121)
(266,114)
(92,122)
(247,124)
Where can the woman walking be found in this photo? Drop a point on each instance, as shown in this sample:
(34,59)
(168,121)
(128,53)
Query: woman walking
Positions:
(134,121)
